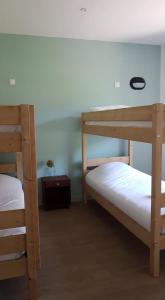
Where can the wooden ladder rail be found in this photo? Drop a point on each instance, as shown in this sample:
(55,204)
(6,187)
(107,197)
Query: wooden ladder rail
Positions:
(157,117)
(84,162)
(29,194)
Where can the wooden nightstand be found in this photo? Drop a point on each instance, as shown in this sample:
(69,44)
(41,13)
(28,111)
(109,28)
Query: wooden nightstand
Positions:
(56,192)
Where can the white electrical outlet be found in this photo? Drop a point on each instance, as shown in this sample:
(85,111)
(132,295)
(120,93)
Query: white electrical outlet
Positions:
(12,82)
(117,84)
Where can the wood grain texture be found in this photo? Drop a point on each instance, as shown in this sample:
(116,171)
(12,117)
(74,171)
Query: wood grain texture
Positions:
(126,133)
(9,115)
(28,178)
(162,200)
(13,268)
(8,168)
(12,244)
(23,144)
(10,142)
(140,113)
(156,189)
(35,188)
(84,162)
(12,218)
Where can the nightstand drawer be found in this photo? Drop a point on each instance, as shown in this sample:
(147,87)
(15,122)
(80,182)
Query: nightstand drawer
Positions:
(54,184)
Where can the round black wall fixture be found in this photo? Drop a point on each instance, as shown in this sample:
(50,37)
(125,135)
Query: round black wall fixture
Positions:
(137,83)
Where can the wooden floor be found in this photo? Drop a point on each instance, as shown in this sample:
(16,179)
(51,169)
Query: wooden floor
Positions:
(87,255)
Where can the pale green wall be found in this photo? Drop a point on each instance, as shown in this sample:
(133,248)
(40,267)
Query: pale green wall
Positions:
(64,77)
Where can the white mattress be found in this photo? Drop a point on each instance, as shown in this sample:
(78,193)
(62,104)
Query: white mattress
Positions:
(127,188)
(11,198)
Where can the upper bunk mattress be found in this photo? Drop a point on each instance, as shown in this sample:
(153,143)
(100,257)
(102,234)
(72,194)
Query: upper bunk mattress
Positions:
(126,188)
(144,124)
(11,198)
(10,128)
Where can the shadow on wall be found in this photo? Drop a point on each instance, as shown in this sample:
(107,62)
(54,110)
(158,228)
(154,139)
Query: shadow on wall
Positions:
(59,140)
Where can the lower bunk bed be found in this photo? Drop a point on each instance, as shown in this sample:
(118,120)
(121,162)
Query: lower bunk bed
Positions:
(135,199)
(19,224)
(126,194)
(125,188)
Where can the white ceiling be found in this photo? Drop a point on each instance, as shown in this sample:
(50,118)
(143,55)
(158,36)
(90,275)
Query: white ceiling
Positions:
(141,21)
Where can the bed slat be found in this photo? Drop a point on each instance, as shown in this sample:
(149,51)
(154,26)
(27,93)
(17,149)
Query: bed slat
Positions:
(8,168)
(35,187)
(141,113)
(29,193)
(13,268)
(162,200)
(10,142)
(9,115)
(126,133)
(12,244)
(162,221)
(12,218)
(163,137)
(162,242)
(99,161)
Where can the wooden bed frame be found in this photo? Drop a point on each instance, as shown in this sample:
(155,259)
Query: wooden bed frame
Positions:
(23,144)
(156,136)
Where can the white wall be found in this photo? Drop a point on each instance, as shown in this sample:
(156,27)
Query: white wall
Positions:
(162,97)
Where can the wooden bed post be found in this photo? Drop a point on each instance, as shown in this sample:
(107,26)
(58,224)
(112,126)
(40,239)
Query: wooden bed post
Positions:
(84,162)
(130,152)
(35,185)
(29,182)
(156,189)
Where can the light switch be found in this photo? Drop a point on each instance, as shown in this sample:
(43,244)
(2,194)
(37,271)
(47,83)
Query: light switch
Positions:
(12,82)
(117,84)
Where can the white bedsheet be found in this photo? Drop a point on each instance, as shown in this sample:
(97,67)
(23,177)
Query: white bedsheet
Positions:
(11,197)
(125,187)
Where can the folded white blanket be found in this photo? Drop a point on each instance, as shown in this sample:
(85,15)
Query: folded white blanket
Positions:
(99,108)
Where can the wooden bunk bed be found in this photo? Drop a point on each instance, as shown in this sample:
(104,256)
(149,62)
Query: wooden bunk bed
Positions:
(17,135)
(144,124)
